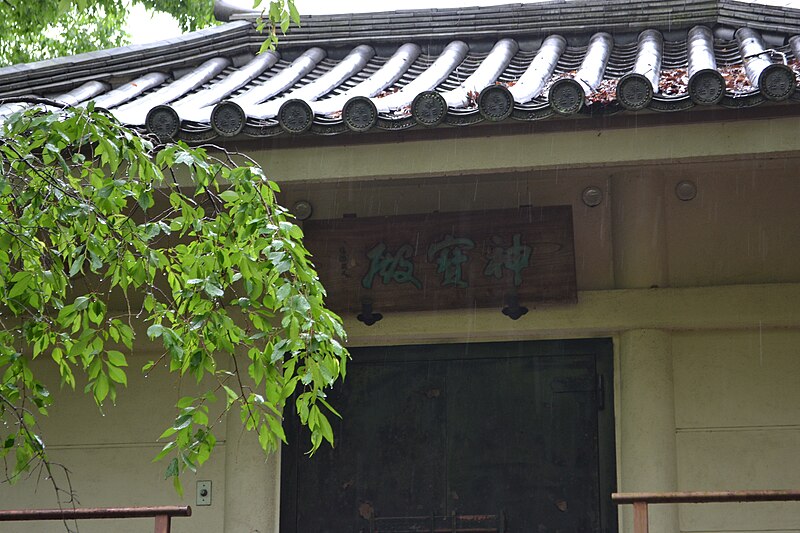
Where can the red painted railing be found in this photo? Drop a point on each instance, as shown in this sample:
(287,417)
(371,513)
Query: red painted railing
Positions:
(640,500)
(162,515)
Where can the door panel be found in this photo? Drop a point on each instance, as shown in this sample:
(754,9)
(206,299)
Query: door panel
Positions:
(479,429)
(388,449)
(518,442)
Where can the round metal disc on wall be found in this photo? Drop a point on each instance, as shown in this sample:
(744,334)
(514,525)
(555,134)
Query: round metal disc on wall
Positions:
(295,116)
(360,114)
(592,196)
(429,108)
(706,87)
(163,121)
(227,119)
(776,82)
(496,103)
(302,210)
(566,96)
(686,190)
(634,91)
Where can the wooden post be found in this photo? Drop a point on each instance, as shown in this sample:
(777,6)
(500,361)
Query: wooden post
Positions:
(162,523)
(640,521)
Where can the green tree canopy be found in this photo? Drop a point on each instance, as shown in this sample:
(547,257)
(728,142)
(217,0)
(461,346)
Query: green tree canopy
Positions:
(40,29)
(33,30)
(101,230)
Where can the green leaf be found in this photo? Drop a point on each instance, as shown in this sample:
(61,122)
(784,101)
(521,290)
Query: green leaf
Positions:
(145,200)
(283,291)
(155,331)
(77,266)
(229,195)
(117,374)
(116,358)
(231,395)
(23,281)
(167,433)
(293,12)
(213,290)
(101,387)
(165,451)
(184,402)
(81,303)
(172,469)
(97,311)
(176,483)
(182,422)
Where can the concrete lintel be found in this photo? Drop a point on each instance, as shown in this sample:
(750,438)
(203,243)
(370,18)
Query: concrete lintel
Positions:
(597,313)
(773,137)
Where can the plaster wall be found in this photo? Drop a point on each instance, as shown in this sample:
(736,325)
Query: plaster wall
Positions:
(580,143)
(737,417)
(109,455)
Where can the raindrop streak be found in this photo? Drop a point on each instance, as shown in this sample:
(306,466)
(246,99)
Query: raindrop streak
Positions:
(760,343)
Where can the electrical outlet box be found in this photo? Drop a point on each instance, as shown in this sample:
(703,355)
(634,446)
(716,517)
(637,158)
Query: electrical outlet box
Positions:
(203,493)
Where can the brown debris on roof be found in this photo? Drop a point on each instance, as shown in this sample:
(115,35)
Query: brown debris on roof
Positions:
(387,92)
(472,99)
(794,64)
(673,82)
(404,111)
(736,80)
(605,93)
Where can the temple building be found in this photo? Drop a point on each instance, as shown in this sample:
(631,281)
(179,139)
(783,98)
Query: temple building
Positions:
(564,238)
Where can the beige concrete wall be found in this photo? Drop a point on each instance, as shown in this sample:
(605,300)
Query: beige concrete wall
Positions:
(646,422)
(737,413)
(580,144)
(110,455)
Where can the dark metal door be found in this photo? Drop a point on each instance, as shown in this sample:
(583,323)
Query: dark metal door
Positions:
(505,436)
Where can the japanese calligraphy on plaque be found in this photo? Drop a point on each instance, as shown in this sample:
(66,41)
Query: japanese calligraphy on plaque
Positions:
(445,260)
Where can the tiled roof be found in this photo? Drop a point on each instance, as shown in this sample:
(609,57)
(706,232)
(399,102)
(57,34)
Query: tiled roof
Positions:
(428,68)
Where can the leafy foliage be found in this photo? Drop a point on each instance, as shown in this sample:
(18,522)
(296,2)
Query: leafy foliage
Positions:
(41,29)
(101,230)
(76,31)
(279,15)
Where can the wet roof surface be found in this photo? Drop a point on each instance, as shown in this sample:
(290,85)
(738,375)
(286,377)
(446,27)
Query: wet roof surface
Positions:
(456,67)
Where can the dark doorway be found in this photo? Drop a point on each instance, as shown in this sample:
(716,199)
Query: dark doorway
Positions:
(519,433)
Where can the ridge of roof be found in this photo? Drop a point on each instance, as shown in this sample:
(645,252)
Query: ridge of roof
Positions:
(560,16)
(436,25)
(165,52)
(599,57)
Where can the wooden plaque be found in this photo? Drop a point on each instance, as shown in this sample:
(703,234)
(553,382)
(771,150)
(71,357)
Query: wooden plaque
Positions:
(445,260)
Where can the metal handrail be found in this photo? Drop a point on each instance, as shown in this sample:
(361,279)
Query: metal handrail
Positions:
(640,500)
(162,515)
